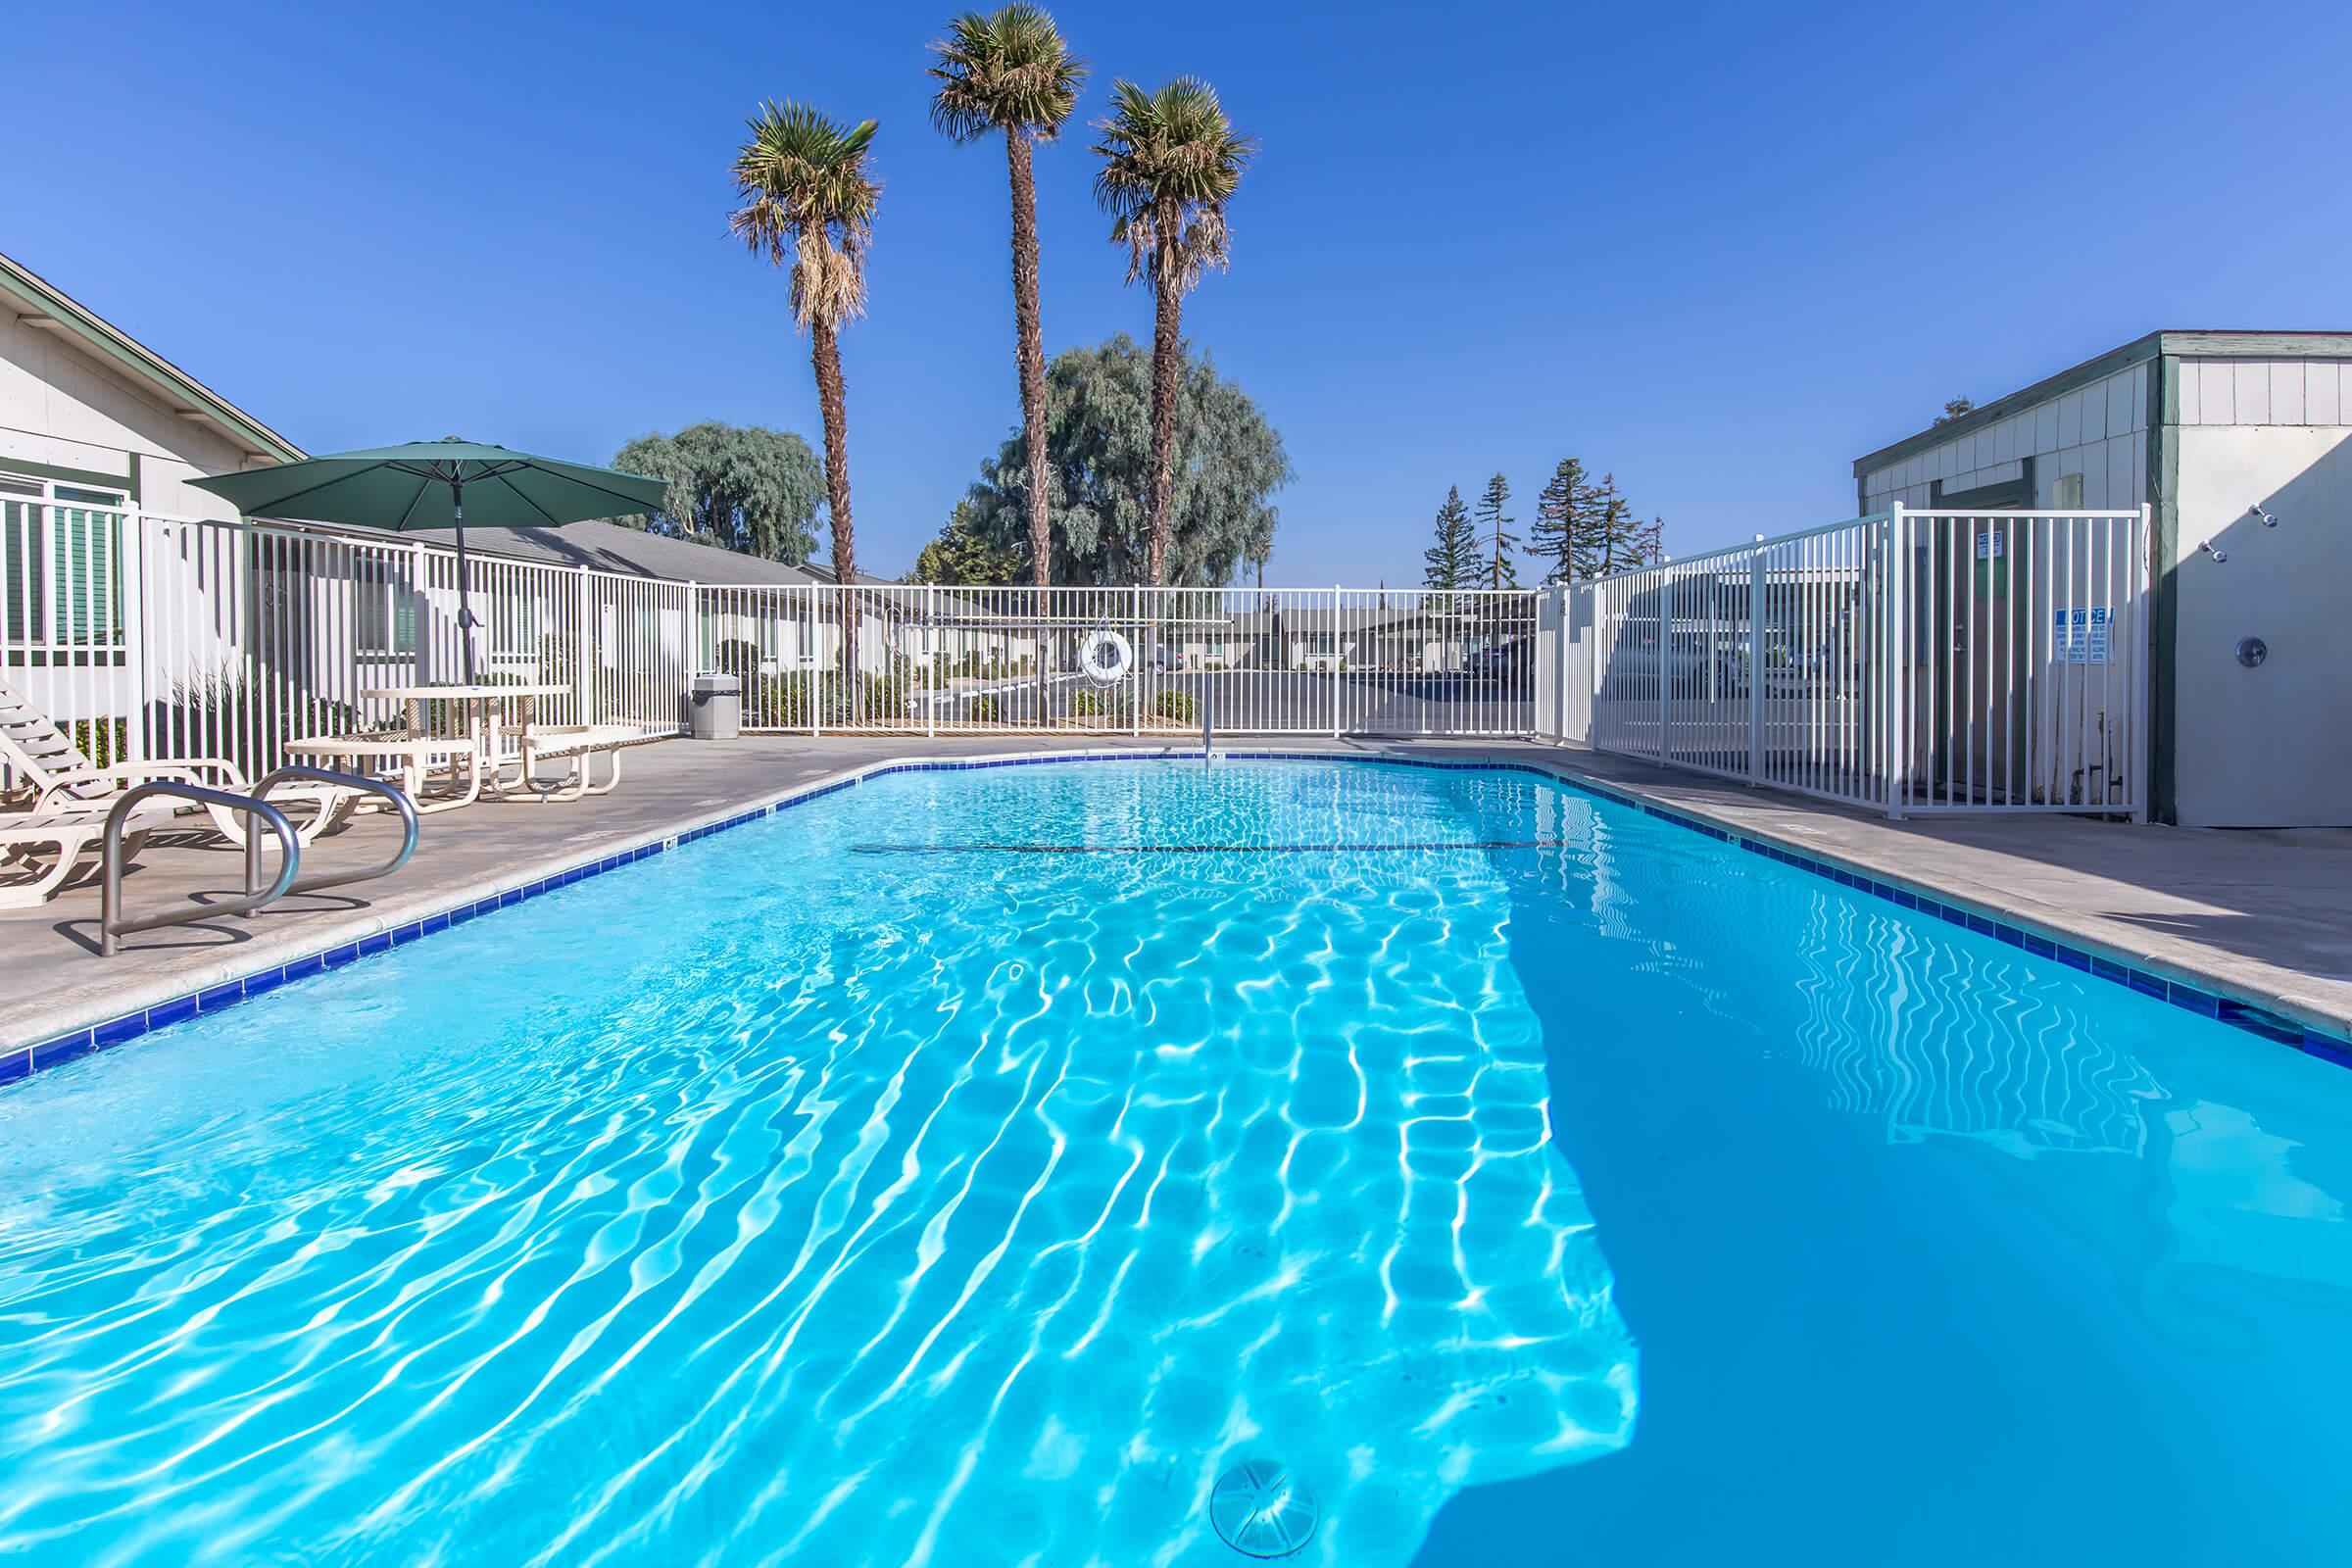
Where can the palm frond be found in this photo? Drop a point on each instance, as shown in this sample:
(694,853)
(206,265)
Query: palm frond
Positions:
(1170,161)
(1009,70)
(809,197)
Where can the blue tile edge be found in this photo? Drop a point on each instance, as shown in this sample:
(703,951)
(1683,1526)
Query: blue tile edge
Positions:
(2250,1017)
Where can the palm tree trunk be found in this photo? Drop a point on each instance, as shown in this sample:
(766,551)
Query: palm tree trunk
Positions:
(1167,348)
(833,403)
(1031,351)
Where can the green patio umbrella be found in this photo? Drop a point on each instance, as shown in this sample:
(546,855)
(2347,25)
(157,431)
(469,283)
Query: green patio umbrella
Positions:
(435,484)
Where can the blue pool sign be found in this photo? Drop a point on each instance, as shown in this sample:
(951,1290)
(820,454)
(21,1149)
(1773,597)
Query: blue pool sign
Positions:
(2079,636)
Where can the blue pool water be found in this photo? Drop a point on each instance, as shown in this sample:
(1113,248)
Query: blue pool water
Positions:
(971,1168)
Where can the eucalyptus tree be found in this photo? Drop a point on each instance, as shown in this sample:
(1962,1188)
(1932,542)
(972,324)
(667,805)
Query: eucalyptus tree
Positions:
(745,488)
(1098,451)
(809,201)
(1010,71)
(1170,161)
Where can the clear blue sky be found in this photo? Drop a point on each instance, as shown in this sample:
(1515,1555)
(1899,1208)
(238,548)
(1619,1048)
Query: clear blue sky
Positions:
(1719,251)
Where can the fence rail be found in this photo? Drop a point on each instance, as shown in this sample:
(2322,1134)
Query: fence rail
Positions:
(151,637)
(1907,662)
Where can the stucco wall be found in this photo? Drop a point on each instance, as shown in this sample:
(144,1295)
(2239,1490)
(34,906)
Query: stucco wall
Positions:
(2268,746)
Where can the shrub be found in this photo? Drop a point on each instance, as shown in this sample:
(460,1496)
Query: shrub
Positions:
(222,716)
(1174,705)
(882,699)
(984,710)
(737,657)
(1086,703)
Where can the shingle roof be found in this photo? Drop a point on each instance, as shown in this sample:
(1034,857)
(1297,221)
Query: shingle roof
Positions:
(610,547)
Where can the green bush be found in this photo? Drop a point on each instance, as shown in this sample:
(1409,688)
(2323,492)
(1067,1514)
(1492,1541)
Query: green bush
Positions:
(984,710)
(1172,704)
(103,741)
(738,658)
(1086,704)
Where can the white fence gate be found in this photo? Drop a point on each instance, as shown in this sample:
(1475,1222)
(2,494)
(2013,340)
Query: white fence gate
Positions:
(1908,662)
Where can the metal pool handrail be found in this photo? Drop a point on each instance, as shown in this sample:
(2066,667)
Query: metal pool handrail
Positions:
(347,781)
(111,923)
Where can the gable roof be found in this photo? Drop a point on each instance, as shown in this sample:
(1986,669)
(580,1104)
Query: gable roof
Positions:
(39,303)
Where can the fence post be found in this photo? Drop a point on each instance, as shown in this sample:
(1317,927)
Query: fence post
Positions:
(1665,664)
(1135,671)
(930,662)
(1337,660)
(689,648)
(582,709)
(2142,647)
(817,663)
(1894,670)
(1756,662)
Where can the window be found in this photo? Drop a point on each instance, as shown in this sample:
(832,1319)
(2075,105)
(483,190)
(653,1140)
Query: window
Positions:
(2066,493)
(61,562)
(385,625)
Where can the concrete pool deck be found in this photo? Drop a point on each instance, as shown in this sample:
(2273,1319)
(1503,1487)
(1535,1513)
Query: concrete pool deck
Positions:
(2266,917)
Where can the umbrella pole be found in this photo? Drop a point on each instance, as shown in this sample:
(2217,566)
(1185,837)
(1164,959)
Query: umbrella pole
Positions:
(465,620)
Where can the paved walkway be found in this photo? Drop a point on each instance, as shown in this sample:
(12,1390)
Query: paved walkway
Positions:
(2265,916)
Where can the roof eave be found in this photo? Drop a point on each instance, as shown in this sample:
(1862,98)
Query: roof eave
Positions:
(2206,342)
(55,310)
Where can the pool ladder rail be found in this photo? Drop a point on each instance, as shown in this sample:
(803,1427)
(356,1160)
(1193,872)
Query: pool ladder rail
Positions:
(112,923)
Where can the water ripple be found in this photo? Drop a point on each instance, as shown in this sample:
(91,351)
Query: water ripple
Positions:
(768,1202)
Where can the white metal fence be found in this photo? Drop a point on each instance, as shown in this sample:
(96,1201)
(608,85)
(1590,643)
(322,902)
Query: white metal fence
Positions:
(1250,661)
(156,637)
(1908,662)
(152,637)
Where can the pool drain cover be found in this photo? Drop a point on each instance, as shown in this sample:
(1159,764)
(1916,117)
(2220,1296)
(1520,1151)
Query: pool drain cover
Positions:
(1261,1511)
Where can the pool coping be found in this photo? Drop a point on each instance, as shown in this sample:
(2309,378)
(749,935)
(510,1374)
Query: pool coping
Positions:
(47,1040)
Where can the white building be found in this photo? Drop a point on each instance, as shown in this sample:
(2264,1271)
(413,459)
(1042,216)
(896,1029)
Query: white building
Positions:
(2238,443)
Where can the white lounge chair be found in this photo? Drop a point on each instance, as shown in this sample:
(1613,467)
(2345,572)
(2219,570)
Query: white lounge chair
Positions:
(71,830)
(41,755)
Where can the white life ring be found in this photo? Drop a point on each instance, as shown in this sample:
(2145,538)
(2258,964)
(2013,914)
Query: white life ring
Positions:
(1104,657)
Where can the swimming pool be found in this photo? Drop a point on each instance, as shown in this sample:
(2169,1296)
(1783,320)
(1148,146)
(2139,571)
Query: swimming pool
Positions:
(971,1168)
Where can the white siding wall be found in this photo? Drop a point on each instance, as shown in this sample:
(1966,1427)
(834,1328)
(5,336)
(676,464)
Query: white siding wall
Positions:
(58,407)
(2098,431)
(2305,392)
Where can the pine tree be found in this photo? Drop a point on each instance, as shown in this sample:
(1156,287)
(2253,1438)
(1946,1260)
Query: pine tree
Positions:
(1649,541)
(1558,511)
(1496,540)
(1613,529)
(1452,561)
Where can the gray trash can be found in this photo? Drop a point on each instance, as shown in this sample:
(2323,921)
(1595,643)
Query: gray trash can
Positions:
(717,705)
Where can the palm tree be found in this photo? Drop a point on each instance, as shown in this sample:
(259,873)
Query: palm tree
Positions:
(1170,161)
(1010,71)
(807,199)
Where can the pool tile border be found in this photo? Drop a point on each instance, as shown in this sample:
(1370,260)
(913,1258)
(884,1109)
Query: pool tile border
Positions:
(2250,1017)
